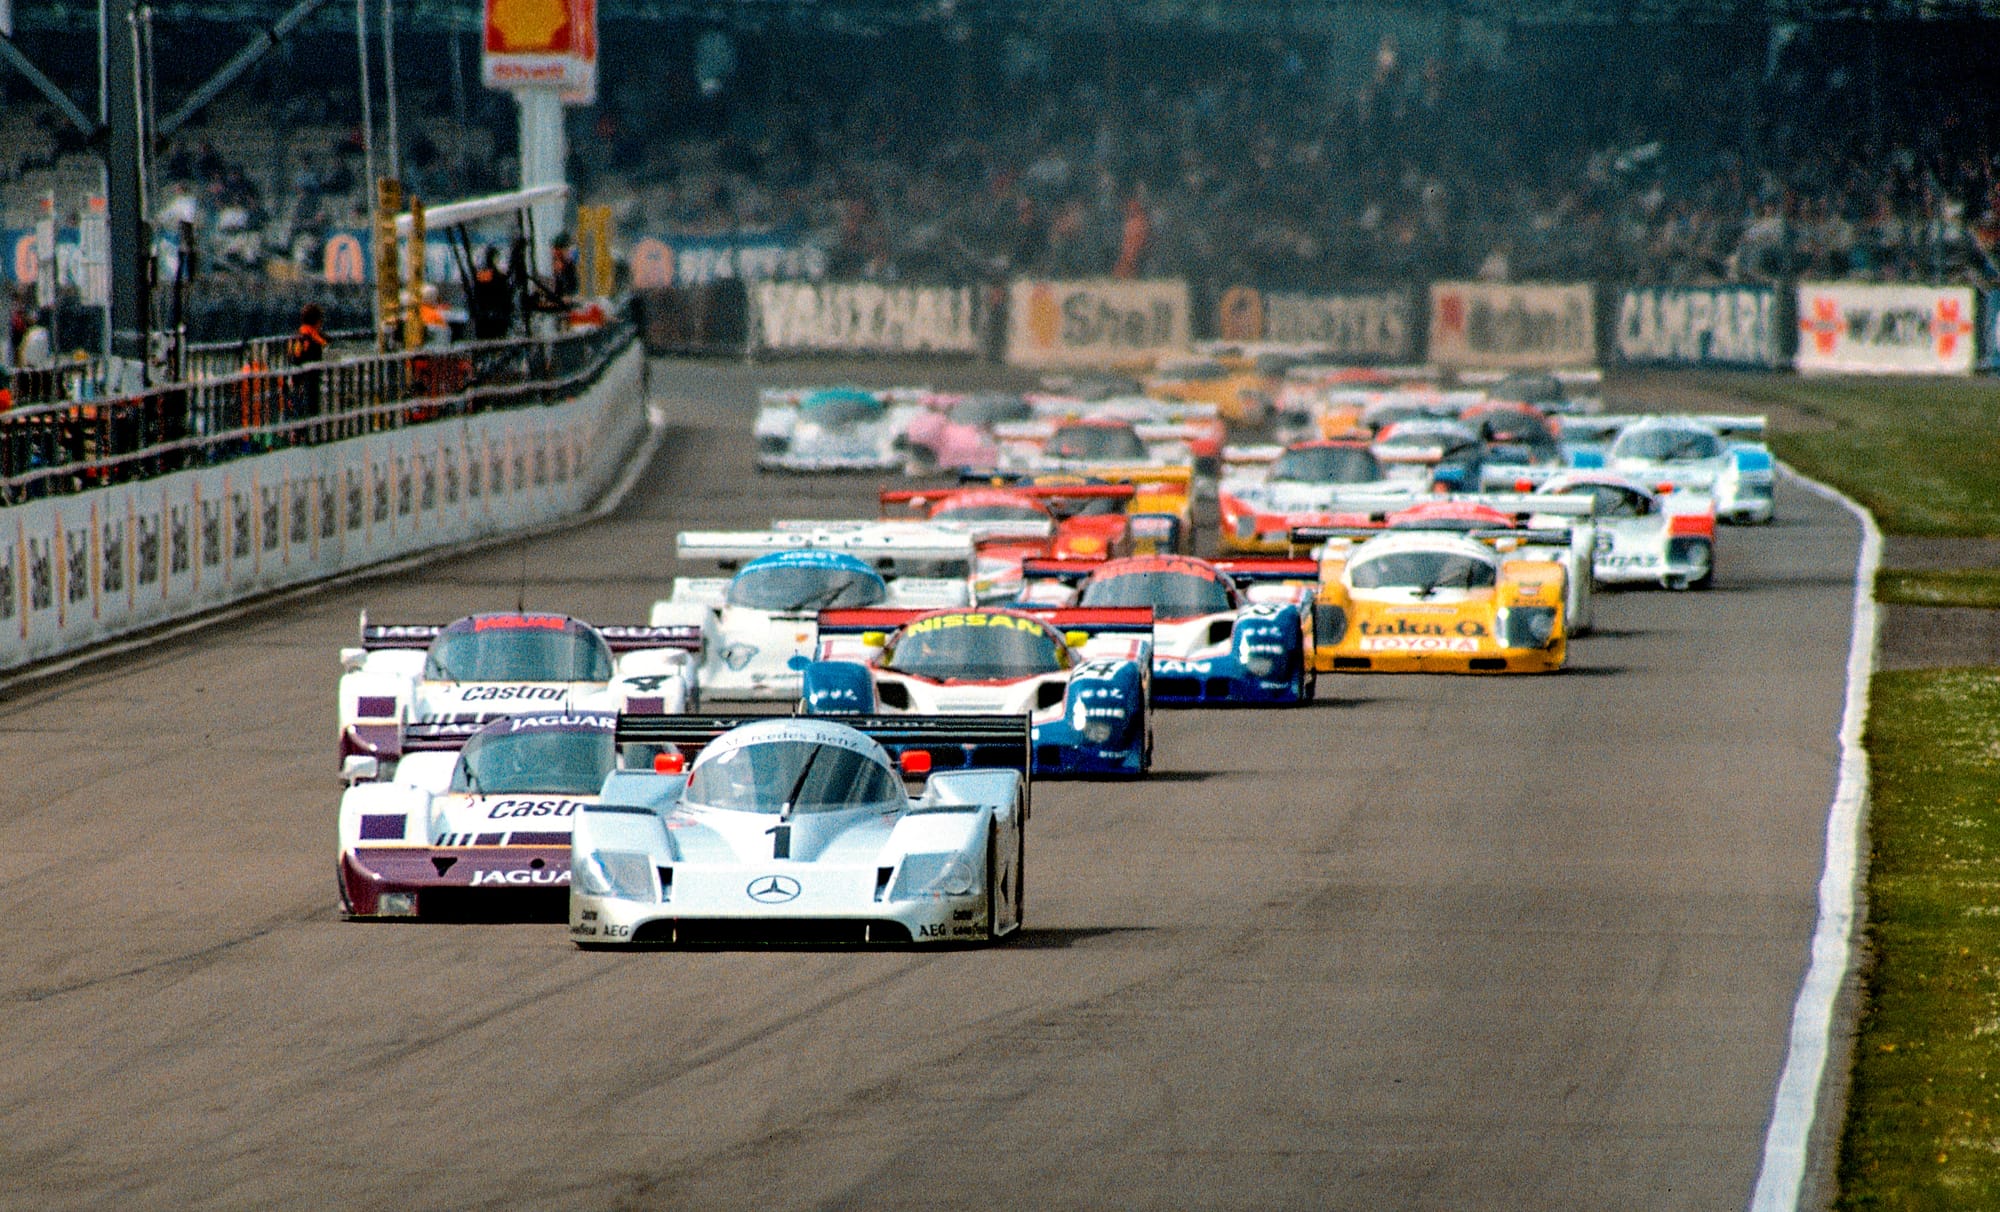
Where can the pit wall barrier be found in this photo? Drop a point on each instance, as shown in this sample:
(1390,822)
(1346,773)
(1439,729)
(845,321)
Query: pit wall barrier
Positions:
(89,566)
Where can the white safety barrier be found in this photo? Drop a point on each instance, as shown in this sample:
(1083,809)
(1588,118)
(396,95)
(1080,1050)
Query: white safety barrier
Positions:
(1874,328)
(82,568)
(1513,325)
(863,317)
(1099,322)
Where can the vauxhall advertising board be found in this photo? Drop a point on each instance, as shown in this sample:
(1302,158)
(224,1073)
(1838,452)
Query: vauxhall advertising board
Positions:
(1724,326)
(1879,328)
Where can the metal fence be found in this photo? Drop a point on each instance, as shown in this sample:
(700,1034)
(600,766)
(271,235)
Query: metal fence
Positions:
(54,449)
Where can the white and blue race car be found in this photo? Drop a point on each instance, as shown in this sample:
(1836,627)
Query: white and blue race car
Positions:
(803,831)
(1722,457)
(414,686)
(758,628)
(481,832)
(835,428)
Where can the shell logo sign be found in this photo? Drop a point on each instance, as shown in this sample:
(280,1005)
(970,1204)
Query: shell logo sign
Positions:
(515,27)
(1044,317)
(27,261)
(344,260)
(1240,314)
(652,264)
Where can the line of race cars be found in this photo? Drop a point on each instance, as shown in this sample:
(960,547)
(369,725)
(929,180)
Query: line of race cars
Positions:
(1023,618)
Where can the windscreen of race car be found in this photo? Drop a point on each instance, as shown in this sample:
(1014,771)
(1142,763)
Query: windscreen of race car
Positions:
(570,761)
(1424,571)
(1327,465)
(975,647)
(1174,591)
(807,775)
(1096,443)
(789,588)
(525,648)
(1666,445)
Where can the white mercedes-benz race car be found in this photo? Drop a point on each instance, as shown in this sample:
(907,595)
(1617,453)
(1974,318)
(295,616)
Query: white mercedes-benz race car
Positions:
(1644,537)
(759,628)
(835,428)
(1722,457)
(412,686)
(802,831)
(481,832)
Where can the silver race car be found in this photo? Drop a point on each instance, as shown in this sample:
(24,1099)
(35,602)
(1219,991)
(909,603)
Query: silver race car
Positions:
(835,429)
(802,830)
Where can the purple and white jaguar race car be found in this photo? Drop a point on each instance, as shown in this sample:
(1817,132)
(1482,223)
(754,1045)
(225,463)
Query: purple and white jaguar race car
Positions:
(412,687)
(481,832)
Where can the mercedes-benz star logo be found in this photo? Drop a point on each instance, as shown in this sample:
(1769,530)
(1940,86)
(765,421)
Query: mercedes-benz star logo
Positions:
(772,889)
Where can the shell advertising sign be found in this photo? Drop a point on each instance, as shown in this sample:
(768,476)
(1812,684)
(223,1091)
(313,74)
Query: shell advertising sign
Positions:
(542,44)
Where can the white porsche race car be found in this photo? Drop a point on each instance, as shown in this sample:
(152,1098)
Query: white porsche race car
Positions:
(416,686)
(835,428)
(759,628)
(1644,537)
(1722,457)
(802,830)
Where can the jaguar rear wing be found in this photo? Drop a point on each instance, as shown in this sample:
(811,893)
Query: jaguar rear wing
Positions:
(417,637)
(953,741)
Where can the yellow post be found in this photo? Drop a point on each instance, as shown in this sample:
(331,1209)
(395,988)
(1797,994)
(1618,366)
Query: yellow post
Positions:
(593,227)
(388,269)
(413,315)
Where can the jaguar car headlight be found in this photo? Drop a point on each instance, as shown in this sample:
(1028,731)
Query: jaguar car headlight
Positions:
(626,874)
(736,656)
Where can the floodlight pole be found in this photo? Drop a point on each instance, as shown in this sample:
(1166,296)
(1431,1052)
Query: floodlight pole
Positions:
(131,250)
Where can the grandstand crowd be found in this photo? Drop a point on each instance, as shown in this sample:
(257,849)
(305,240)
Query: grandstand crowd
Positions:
(1673,157)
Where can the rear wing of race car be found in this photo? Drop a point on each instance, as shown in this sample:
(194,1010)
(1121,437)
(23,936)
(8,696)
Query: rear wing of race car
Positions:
(441,736)
(623,639)
(1091,620)
(1016,482)
(1271,571)
(892,548)
(416,637)
(952,741)
(1750,427)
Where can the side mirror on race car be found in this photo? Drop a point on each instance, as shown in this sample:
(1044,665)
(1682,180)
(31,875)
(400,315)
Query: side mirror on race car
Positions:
(353,659)
(1076,639)
(358,769)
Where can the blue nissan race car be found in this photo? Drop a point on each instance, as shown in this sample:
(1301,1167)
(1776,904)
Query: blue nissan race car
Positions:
(1216,639)
(1080,675)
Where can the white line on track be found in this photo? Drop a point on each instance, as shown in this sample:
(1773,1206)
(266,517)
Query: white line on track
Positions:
(635,466)
(1781,1177)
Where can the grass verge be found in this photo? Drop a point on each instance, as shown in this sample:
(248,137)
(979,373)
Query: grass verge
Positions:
(1939,587)
(1923,1123)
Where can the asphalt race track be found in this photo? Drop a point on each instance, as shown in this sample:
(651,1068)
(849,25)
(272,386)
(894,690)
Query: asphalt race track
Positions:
(1430,943)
